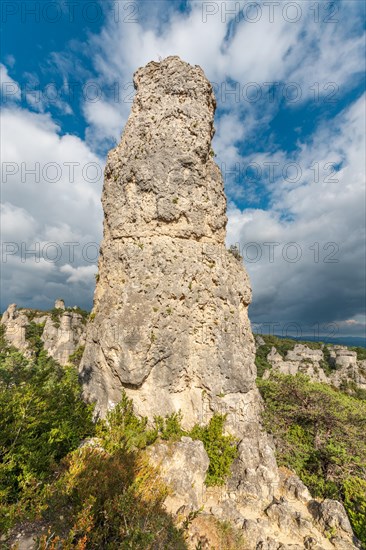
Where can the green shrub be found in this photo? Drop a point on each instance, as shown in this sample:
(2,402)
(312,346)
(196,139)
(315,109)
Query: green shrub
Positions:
(282,345)
(110,501)
(170,427)
(122,429)
(261,359)
(221,449)
(32,313)
(106,496)
(42,418)
(327,364)
(351,388)
(56,313)
(33,333)
(235,251)
(320,433)
(354,490)
(75,358)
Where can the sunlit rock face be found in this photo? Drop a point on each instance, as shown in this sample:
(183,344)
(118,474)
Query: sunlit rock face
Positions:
(170,314)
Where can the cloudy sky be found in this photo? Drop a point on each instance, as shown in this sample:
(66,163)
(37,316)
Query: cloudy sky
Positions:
(289,82)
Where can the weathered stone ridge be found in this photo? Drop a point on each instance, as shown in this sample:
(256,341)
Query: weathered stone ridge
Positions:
(346,368)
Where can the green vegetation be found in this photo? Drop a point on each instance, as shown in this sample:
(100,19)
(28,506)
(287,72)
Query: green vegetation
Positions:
(361,352)
(326,364)
(84,314)
(123,428)
(282,345)
(320,434)
(110,500)
(100,495)
(106,494)
(56,313)
(229,536)
(221,449)
(351,388)
(261,358)
(33,333)
(75,358)
(235,251)
(42,418)
(31,313)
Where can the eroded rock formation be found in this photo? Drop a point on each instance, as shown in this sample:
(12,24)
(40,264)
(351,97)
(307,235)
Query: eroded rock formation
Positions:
(343,366)
(62,332)
(170,310)
(170,319)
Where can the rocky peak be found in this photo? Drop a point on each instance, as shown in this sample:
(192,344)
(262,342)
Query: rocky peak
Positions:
(161,176)
(170,311)
(334,365)
(59,304)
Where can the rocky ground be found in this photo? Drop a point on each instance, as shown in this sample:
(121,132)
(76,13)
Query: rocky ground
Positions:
(292,519)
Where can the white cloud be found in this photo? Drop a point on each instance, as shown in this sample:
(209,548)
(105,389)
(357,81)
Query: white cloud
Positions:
(51,187)
(106,121)
(327,281)
(304,211)
(274,49)
(16,223)
(10,90)
(84,274)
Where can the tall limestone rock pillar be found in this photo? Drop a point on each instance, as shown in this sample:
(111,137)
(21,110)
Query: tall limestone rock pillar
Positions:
(170,318)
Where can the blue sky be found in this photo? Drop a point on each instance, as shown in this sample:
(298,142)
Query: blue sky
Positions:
(289,82)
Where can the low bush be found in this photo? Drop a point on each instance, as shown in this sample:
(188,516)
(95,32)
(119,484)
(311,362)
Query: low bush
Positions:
(101,496)
(75,358)
(320,433)
(221,449)
(124,430)
(42,418)
(110,501)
